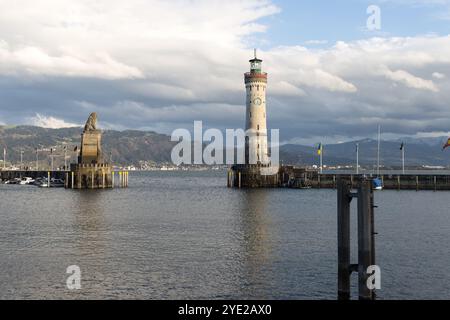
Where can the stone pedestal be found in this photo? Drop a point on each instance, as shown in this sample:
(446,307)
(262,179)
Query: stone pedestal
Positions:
(90,176)
(253,176)
(91,172)
(90,147)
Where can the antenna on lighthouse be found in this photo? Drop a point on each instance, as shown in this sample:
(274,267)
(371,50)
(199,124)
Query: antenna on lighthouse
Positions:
(255,53)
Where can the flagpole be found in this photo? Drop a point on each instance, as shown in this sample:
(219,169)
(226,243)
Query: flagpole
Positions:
(37,159)
(357,158)
(65,158)
(321,159)
(378,151)
(403,159)
(4,158)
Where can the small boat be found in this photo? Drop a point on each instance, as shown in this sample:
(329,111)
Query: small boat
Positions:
(13,181)
(26,180)
(377,184)
(54,183)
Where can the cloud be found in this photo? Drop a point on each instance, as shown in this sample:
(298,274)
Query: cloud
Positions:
(162,64)
(409,80)
(50,122)
(34,60)
(438,75)
(316,42)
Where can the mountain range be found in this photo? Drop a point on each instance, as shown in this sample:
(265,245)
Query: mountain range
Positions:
(132,146)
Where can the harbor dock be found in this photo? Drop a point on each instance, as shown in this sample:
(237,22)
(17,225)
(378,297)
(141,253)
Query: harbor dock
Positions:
(302,178)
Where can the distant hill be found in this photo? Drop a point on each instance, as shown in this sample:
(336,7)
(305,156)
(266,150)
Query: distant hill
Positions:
(124,147)
(131,146)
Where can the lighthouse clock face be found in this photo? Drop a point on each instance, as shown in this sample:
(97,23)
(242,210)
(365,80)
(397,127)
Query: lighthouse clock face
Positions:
(258,101)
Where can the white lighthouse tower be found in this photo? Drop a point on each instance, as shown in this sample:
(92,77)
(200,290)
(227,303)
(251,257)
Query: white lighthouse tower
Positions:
(256,150)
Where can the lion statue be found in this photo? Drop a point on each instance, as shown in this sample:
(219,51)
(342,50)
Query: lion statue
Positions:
(91,123)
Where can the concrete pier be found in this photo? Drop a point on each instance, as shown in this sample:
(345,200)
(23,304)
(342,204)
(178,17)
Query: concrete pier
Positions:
(12,174)
(302,178)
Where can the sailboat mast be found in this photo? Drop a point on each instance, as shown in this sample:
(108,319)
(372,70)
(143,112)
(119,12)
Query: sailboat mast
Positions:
(378,150)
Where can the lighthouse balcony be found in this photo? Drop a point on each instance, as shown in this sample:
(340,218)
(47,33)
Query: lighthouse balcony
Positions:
(253,76)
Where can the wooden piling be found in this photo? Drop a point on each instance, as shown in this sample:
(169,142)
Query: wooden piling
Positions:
(365,238)
(343,218)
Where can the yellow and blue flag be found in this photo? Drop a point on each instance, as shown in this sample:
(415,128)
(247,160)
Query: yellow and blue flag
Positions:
(447,145)
(320,149)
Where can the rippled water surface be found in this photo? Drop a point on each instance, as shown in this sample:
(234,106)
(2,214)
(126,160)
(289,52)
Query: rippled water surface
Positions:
(181,235)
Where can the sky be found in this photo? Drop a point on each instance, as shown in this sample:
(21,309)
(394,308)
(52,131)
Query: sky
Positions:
(161,65)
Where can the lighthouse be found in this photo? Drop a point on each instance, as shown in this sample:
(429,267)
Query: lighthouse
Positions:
(256,150)
(259,170)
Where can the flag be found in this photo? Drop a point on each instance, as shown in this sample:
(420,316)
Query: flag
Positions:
(320,149)
(75,149)
(447,144)
(51,150)
(402,146)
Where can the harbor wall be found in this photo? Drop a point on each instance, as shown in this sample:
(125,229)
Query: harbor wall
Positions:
(300,178)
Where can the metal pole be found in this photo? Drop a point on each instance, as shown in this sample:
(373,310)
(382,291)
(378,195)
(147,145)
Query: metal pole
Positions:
(4,158)
(378,151)
(403,159)
(321,159)
(357,158)
(21,159)
(65,158)
(48,179)
(37,159)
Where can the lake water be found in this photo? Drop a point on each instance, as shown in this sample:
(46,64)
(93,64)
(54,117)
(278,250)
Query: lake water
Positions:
(184,235)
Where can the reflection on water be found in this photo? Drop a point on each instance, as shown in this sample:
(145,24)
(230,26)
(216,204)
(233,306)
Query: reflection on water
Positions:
(255,223)
(184,235)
